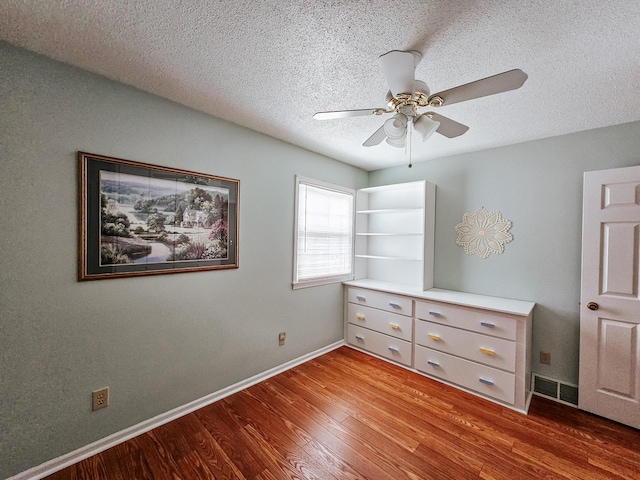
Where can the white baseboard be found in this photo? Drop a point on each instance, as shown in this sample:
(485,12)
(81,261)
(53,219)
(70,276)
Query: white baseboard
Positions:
(87,451)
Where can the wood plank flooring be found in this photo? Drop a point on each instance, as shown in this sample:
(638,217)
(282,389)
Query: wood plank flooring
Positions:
(347,415)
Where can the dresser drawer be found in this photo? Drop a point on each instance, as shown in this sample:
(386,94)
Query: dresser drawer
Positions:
(392,324)
(480,378)
(383,301)
(473,319)
(496,352)
(380,344)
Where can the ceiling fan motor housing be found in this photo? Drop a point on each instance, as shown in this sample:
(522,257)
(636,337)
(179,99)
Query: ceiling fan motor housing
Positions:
(409,103)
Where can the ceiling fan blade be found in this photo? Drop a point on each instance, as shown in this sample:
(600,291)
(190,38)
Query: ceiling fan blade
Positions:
(449,128)
(399,68)
(375,139)
(349,113)
(503,82)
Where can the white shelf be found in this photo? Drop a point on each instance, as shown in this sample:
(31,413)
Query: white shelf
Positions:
(390,210)
(394,187)
(388,234)
(385,257)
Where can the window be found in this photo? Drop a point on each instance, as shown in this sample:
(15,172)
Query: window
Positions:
(323,244)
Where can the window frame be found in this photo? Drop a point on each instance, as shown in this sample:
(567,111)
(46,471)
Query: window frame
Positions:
(321,280)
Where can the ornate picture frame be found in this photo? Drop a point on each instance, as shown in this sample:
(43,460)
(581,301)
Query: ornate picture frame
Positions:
(140,219)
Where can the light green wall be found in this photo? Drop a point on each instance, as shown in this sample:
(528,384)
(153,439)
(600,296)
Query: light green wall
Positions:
(157,342)
(538,186)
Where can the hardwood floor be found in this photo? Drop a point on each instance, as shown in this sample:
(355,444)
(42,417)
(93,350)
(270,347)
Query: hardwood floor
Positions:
(346,415)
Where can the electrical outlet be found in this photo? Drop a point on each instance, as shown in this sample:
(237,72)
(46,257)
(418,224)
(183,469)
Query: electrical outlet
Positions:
(281,338)
(545,358)
(100,398)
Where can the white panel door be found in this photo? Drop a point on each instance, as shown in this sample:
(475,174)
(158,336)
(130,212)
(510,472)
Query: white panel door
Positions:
(610,304)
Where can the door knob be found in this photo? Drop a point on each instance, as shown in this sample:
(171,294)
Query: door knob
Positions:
(593,306)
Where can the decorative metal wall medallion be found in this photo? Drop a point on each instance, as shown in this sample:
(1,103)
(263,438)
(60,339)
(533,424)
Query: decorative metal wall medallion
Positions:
(483,233)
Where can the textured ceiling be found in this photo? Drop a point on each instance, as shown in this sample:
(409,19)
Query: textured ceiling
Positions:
(269,65)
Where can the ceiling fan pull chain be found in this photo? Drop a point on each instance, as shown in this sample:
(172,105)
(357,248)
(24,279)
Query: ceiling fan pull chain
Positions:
(409,136)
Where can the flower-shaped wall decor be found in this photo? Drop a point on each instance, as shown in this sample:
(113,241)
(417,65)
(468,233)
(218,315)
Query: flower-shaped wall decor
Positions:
(483,233)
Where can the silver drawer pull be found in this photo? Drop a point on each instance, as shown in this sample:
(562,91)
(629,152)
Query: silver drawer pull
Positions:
(394,305)
(360,338)
(394,349)
(488,325)
(432,363)
(361,298)
(435,314)
(485,381)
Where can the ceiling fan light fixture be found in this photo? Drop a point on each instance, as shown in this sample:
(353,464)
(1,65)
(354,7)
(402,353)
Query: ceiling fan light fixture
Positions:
(397,142)
(425,126)
(396,126)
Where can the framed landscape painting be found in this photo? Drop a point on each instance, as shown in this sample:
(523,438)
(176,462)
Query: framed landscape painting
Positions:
(141,219)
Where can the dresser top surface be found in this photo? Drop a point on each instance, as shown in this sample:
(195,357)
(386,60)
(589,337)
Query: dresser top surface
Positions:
(497,304)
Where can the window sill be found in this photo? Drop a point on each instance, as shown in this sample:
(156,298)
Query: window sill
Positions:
(321,281)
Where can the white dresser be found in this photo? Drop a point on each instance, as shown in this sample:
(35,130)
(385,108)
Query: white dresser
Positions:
(477,343)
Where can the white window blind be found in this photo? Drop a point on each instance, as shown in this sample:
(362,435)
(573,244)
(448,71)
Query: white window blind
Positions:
(324,234)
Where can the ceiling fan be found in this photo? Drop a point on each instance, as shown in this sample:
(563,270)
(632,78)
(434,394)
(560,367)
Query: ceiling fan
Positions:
(407,95)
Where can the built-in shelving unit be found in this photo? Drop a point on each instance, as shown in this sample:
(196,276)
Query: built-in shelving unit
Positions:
(477,343)
(395,233)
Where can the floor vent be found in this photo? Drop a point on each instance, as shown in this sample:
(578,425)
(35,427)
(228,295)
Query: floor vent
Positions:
(568,393)
(559,391)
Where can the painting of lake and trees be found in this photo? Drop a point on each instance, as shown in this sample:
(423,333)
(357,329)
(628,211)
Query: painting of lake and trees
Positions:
(157,220)
(147,220)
